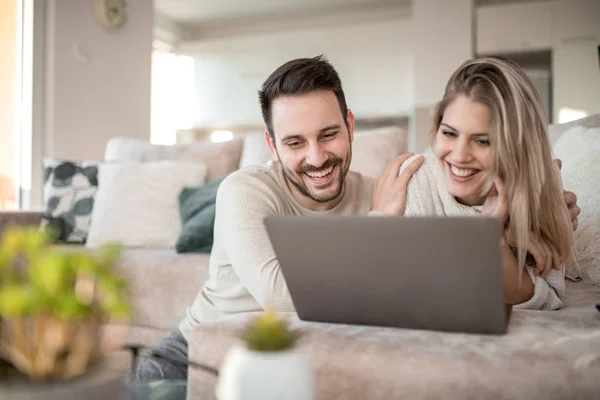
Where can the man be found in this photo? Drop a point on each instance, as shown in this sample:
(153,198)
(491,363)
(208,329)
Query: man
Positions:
(310,132)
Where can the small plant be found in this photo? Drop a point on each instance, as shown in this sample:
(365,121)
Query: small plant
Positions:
(268,332)
(52,303)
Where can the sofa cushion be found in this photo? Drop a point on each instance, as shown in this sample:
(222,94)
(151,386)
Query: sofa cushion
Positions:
(256,151)
(137,203)
(162,284)
(579,150)
(373,150)
(555,131)
(220,158)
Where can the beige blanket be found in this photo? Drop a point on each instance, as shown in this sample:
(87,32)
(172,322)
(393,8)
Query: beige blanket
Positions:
(545,355)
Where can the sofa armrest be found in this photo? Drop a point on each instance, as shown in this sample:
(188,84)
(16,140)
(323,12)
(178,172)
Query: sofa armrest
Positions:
(19,218)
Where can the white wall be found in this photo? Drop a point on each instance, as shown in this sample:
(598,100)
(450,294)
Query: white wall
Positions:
(8,86)
(88,102)
(374,60)
(576,70)
(570,28)
(443,34)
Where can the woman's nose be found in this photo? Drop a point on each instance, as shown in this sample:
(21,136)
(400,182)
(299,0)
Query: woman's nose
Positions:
(462,152)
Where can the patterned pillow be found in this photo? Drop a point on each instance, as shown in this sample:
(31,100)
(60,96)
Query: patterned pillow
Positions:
(69,191)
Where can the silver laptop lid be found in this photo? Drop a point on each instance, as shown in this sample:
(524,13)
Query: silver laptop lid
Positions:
(412,272)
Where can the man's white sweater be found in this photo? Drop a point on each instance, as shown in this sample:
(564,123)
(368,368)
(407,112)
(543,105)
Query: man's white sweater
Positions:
(244,273)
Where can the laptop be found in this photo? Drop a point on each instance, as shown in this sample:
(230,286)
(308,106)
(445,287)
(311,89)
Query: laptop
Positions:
(432,273)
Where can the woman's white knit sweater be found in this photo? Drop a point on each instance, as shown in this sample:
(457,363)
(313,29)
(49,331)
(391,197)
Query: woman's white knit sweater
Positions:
(427,196)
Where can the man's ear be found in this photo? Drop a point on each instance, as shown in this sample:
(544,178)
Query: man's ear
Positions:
(271,144)
(350,123)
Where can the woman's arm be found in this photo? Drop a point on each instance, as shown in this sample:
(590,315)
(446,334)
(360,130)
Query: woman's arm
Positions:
(538,290)
(518,286)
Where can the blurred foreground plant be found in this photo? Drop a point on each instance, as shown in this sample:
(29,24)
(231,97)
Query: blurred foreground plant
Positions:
(53,301)
(268,332)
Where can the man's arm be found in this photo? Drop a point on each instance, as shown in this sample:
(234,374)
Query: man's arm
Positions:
(241,208)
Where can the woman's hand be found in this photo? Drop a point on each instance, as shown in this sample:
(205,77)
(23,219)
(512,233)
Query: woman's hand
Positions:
(544,255)
(389,190)
(496,203)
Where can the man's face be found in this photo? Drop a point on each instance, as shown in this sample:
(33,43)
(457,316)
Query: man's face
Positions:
(313,145)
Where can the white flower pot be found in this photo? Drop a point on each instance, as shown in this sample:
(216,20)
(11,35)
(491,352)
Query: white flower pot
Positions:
(266,375)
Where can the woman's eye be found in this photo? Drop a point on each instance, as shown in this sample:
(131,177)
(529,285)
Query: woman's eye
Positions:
(449,134)
(483,142)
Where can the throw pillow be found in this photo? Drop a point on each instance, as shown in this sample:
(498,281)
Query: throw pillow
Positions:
(69,191)
(220,158)
(137,203)
(374,149)
(579,150)
(256,150)
(197,211)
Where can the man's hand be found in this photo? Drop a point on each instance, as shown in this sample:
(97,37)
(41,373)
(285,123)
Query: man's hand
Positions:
(389,191)
(571,201)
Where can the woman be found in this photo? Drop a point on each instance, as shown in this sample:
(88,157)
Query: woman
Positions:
(493,158)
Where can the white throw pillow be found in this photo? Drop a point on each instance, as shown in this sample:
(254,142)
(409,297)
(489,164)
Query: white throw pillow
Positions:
(137,204)
(256,151)
(579,150)
(374,149)
(220,158)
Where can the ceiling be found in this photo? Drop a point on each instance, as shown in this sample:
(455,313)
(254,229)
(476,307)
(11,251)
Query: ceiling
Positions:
(202,11)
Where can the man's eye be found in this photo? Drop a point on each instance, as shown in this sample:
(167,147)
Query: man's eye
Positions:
(329,136)
(293,144)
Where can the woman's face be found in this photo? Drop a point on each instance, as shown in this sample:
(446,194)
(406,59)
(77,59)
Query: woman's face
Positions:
(462,145)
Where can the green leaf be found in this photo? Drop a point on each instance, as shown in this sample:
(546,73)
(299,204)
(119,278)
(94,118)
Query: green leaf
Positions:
(52,273)
(69,307)
(16,300)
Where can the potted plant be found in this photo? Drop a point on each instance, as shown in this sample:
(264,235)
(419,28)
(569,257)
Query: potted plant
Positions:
(53,302)
(266,364)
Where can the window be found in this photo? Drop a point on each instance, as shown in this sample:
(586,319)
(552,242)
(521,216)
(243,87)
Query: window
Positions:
(173,96)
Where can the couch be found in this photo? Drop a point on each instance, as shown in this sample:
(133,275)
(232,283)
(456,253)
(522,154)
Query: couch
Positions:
(545,355)
(163,283)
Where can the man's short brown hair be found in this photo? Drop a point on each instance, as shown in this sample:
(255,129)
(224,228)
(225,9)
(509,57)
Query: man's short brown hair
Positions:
(297,77)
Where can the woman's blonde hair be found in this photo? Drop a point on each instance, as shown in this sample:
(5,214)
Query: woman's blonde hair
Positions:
(522,153)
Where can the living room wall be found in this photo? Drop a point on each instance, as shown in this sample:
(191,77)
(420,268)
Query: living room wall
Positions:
(373,58)
(97,81)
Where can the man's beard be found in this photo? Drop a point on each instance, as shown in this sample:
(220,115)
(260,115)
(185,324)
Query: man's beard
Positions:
(299,183)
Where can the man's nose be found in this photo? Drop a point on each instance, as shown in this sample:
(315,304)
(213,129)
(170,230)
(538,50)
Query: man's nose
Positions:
(316,155)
